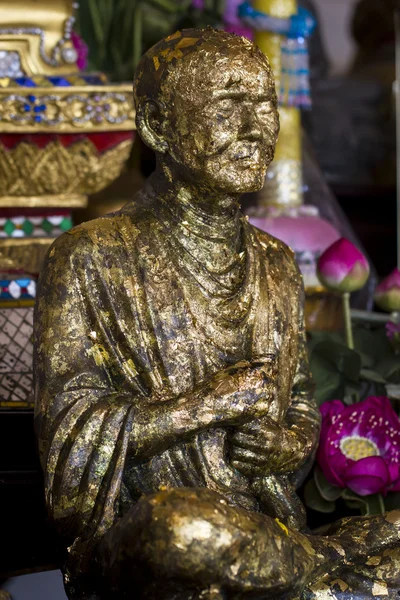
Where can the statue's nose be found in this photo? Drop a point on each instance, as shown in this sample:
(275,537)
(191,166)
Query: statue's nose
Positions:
(250,126)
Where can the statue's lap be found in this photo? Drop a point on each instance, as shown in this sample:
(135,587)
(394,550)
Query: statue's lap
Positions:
(195,535)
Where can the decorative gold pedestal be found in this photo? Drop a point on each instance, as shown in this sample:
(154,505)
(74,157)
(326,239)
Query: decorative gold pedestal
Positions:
(49,200)
(26,254)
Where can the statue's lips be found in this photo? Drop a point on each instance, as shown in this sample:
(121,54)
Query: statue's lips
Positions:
(248,157)
(247,152)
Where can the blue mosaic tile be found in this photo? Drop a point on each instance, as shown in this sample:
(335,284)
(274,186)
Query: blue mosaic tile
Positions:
(93,79)
(25,81)
(59,81)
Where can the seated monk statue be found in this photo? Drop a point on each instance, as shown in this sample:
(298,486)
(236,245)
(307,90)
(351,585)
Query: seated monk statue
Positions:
(174,405)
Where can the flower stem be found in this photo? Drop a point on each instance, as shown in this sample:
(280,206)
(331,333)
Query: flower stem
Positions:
(347,320)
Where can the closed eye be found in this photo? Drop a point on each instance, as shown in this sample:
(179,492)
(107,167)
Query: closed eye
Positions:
(265,108)
(225,108)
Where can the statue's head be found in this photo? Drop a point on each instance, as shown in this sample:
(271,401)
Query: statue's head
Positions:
(206,103)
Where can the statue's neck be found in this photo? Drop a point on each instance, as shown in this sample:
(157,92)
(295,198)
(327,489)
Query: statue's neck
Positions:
(201,218)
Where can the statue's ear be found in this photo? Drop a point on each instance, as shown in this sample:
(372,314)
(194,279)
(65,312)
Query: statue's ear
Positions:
(150,123)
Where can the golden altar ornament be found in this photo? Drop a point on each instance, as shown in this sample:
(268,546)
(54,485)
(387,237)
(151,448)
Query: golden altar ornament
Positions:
(38,34)
(174,405)
(64,134)
(85,124)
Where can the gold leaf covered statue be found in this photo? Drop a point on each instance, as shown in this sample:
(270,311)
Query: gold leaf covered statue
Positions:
(174,405)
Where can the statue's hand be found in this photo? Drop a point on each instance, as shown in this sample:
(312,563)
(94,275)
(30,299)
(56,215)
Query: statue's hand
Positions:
(232,397)
(263,447)
(242,392)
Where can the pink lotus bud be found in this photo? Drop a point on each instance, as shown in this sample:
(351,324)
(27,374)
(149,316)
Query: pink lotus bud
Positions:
(387,293)
(342,267)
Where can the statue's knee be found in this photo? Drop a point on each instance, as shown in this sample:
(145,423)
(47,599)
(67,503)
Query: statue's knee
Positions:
(179,531)
(186,532)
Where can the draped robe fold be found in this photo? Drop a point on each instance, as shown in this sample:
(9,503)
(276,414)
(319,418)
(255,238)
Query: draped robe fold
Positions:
(121,321)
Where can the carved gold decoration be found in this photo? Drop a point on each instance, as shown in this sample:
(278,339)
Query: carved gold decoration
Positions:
(42,91)
(39,32)
(80,169)
(46,200)
(23,253)
(67,110)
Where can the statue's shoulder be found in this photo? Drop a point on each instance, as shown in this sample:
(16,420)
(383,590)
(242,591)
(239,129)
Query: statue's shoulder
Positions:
(280,255)
(103,235)
(91,236)
(275,249)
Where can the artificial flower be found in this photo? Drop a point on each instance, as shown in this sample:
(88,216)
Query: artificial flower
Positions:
(387,293)
(342,267)
(360,446)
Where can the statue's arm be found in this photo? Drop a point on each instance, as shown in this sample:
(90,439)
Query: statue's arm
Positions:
(303,414)
(265,446)
(233,396)
(82,422)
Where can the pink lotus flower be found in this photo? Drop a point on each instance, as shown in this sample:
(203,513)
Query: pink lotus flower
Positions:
(360,446)
(387,293)
(342,267)
(81,49)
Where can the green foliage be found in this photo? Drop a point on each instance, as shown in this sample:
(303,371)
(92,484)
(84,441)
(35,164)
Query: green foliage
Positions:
(336,370)
(119,31)
(315,501)
(352,375)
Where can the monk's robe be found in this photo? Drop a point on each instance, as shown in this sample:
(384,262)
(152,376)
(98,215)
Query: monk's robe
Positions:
(124,316)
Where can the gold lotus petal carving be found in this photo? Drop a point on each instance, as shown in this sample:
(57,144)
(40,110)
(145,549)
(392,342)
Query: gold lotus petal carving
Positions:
(27,170)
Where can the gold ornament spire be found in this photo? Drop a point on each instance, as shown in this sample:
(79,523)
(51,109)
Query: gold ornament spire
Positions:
(284,182)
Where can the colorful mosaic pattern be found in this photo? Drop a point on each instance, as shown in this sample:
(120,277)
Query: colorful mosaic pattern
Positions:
(16,288)
(34,226)
(16,352)
(79,79)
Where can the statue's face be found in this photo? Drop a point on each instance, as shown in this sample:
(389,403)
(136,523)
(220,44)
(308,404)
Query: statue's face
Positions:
(224,125)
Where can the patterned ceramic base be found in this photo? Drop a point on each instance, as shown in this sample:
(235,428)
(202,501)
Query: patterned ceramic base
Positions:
(16,351)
